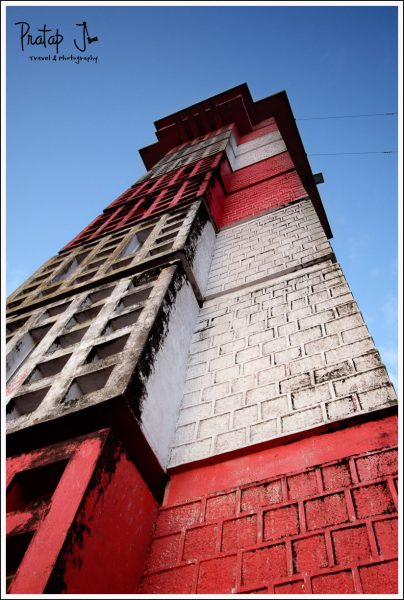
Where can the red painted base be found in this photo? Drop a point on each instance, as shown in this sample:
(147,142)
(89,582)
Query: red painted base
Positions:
(79,519)
(317,516)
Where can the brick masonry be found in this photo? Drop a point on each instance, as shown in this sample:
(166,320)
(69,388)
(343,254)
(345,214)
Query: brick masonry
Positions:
(274,360)
(330,528)
(270,193)
(283,239)
(260,171)
(262,128)
(258,149)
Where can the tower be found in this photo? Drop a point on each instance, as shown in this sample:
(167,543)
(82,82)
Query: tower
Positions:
(195,402)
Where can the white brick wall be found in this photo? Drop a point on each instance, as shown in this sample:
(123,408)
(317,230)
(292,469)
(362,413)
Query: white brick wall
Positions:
(284,238)
(254,151)
(274,360)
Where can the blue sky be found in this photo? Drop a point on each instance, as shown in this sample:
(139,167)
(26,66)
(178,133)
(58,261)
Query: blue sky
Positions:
(74,130)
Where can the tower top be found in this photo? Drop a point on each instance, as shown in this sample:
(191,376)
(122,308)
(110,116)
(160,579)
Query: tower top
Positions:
(235,106)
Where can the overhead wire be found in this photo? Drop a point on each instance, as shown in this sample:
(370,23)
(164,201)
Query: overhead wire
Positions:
(389,114)
(349,117)
(347,153)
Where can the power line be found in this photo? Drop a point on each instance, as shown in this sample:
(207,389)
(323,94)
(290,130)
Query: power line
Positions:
(389,114)
(346,153)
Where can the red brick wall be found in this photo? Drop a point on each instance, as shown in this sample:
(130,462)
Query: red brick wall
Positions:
(259,171)
(329,528)
(258,198)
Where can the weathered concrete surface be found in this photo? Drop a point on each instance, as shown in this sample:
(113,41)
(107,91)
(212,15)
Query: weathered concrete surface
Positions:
(123,340)
(116,255)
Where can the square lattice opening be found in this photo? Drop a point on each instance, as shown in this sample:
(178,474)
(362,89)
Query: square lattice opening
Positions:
(88,383)
(16,547)
(48,368)
(107,349)
(129,318)
(25,403)
(32,487)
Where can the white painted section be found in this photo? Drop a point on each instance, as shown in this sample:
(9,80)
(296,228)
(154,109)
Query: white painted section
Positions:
(284,238)
(231,150)
(265,146)
(261,153)
(262,140)
(166,385)
(203,256)
(277,358)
